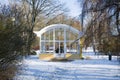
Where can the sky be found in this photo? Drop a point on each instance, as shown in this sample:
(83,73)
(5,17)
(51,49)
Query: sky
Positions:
(3,1)
(72,5)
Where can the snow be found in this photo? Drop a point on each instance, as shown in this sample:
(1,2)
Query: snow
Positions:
(96,68)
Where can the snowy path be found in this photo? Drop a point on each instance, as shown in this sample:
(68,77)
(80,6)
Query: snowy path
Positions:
(99,69)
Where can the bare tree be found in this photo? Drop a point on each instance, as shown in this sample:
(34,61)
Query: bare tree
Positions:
(34,9)
(103,15)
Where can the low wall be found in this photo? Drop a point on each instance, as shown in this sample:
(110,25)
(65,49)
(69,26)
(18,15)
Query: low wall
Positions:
(49,56)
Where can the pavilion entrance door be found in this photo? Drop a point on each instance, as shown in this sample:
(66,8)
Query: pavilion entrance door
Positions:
(59,49)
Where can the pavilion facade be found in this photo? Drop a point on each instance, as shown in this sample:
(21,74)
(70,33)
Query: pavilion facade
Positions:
(57,39)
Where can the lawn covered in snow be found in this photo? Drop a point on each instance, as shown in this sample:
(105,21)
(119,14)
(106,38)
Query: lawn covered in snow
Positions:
(96,68)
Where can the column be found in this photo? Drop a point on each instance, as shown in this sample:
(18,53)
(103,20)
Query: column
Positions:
(64,40)
(44,43)
(49,40)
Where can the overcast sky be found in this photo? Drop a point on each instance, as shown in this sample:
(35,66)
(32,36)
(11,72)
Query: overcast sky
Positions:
(72,5)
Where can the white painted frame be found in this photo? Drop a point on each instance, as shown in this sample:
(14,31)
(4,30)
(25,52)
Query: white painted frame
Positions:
(56,27)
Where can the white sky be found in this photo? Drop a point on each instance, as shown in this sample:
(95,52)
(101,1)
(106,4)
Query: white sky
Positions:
(72,5)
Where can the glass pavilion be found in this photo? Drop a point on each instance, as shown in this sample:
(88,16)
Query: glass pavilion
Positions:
(57,39)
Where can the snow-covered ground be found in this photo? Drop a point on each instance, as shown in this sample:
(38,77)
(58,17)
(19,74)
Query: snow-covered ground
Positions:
(96,68)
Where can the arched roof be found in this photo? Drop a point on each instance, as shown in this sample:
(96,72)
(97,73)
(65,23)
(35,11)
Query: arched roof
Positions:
(57,26)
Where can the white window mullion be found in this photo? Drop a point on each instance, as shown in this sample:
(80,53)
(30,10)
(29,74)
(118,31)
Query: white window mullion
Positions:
(40,44)
(54,40)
